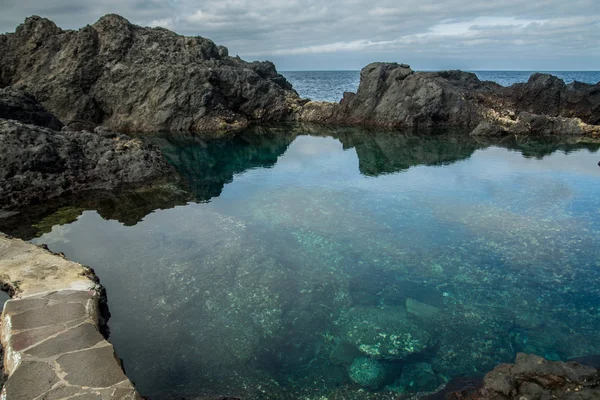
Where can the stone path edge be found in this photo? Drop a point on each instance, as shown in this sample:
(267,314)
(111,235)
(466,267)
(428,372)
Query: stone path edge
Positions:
(54,331)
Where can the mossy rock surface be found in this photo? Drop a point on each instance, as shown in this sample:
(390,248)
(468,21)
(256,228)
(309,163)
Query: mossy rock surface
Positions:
(388,333)
(367,372)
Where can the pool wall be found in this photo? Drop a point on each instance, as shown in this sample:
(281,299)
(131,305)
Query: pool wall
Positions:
(54,329)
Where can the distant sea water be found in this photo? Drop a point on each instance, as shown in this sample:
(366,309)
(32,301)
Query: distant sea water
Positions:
(331,85)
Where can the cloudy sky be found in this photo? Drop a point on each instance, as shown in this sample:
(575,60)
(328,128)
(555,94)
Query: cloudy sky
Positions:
(335,34)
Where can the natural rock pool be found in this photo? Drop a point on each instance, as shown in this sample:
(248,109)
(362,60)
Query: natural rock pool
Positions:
(301,262)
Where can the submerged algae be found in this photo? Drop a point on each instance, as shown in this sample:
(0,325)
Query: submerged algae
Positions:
(63,216)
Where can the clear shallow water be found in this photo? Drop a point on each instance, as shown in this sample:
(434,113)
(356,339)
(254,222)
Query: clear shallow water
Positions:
(298,251)
(331,85)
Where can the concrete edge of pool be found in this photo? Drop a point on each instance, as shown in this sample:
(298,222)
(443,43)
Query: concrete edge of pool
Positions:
(52,329)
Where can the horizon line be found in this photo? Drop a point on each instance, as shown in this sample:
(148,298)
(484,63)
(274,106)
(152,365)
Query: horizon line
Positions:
(450,69)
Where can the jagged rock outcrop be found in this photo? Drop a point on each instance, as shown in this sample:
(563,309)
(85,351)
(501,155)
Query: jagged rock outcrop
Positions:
(21,106)
(545,94)
(393,95)
(133,79)
(534,377)
(38,163)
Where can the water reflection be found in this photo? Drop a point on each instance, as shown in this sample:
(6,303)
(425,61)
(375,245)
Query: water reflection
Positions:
(207,165)
(345,258)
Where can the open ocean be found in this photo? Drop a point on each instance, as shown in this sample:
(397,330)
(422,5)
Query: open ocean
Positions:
(331,85)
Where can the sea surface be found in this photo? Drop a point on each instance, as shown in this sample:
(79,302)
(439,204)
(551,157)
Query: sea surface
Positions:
(331,85)
(307,263)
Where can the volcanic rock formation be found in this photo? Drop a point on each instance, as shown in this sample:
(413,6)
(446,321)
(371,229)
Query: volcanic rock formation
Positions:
(393,95)
(38,163)
(533,377)
(133,79)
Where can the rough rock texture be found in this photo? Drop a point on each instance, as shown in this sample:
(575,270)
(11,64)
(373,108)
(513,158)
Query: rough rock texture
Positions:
(393,95)
(21,106)
(38,163)
(534,124)
(52,329)
(533,377)
(367,372)
(129,78)
(546,94)
(418,376)
(383,333)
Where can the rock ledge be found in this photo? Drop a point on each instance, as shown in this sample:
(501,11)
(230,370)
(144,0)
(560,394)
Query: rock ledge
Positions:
(51,329)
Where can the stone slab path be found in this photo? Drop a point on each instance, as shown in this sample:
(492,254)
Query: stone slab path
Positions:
(53,348)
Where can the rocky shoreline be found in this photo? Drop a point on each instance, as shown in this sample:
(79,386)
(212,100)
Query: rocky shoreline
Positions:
(393,95)
(533,377)
(65,94)
(133,79)
(128,78)
(39,163)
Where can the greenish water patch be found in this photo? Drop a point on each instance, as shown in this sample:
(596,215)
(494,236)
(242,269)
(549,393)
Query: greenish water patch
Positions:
(307,263)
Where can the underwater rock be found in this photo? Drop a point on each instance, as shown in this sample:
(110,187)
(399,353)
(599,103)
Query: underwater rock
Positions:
(418,377)
(471,342)
(367,372)
(344,354)
(421,310)
(555,340)
(388,333)
(135,79)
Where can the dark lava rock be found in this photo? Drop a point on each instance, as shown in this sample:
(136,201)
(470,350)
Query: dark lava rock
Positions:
(367,372)
(38,163)
(546,94)
(129,78)
(393,95)
(533,377)
(18,105)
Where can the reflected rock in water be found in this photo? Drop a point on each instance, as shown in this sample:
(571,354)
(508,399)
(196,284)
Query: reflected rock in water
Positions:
(281,285)
(207,164)
(541,146)
(128,206)
(382,151)
(390,152)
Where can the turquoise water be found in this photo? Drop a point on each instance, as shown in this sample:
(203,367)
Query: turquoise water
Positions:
(310,263)
(331,85)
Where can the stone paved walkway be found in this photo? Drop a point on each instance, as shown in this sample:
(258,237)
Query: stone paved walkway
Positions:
(53,348)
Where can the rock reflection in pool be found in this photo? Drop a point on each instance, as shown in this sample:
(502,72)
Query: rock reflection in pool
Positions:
(300,254)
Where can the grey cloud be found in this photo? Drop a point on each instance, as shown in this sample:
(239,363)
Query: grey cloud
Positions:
(337,34)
